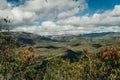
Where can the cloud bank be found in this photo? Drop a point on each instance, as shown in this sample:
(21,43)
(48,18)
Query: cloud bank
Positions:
(57,17)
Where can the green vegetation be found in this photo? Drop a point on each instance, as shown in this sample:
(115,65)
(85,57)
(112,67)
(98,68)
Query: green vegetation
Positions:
(74,59)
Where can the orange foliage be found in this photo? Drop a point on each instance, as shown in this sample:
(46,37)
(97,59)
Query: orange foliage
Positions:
(118,40)
(86,53)
(109,53)
(27,56)
(31,49)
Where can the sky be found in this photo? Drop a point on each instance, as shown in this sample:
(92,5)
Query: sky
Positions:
(59,17)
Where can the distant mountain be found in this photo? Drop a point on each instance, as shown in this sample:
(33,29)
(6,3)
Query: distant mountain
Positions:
(90,35)
(29,38)
(101,35)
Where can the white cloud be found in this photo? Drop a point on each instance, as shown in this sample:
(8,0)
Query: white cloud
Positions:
(106,19)
(116,11)
(4,4)
(68,13)
(49,17)
(36,10)
(22,17)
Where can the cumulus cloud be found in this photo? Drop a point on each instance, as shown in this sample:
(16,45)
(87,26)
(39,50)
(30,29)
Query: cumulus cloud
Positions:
(4,5)
(68,13)
(104,22)
(108,18)
(56,17)
(36,10)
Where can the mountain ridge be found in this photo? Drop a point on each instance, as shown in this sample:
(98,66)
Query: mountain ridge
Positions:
(34,38)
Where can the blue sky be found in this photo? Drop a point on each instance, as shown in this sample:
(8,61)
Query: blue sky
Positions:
(95,5)
(57,17)
(102,4)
